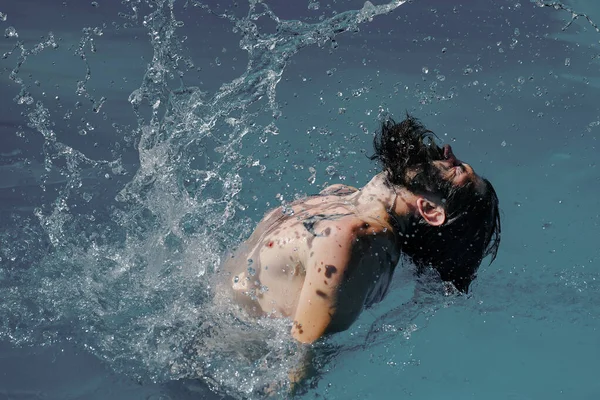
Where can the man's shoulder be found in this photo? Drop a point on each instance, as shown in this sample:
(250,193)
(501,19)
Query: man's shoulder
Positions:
(358,228)
(337,189)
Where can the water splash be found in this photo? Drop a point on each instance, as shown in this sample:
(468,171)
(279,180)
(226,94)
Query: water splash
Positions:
(574,14)
(124,269)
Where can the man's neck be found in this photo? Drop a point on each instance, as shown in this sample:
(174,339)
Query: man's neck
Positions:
(380,200)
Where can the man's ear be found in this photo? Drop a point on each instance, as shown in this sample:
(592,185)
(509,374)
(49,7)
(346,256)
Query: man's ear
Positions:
(434,214)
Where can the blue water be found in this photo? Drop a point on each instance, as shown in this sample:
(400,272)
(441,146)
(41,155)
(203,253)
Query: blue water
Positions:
(142,139)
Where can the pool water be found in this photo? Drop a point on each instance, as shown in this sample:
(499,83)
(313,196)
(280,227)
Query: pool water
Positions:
(142,140)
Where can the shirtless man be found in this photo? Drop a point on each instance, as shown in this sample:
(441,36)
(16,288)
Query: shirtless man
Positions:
(323,259)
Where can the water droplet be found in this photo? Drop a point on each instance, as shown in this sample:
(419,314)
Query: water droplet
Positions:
(503,144)
(94,4)
(251,271)
(314,5)
(521,80)
(547,225)
(313,175)
(250,261)
(3,16)
(272,129)
(425,70)
(287,210)
(24,99)
(11,32)
(567,62)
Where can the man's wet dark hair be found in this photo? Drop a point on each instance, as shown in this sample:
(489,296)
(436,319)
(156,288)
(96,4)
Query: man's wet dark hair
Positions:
(406,151)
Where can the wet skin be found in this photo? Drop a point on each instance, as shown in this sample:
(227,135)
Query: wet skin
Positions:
(317,266)
(334,254)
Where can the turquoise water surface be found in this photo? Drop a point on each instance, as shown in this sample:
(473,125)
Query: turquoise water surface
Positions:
(143,139)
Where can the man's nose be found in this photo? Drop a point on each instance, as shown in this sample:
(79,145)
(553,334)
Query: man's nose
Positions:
(449,155)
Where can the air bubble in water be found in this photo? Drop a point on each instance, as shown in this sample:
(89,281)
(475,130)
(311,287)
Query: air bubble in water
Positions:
(567,62)
(521,80)
(3,16)
(314,5)
(425,70)
(11,32)
(330,170)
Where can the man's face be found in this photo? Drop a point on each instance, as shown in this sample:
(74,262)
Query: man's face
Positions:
(434,167)
(428,168)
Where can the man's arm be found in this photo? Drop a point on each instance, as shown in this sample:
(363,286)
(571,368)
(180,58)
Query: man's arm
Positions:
(335,284)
